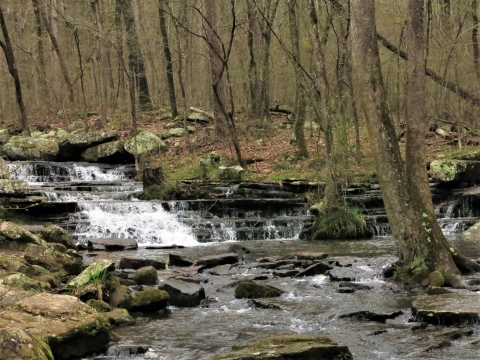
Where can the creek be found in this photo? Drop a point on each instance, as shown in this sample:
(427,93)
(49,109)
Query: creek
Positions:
(94,201)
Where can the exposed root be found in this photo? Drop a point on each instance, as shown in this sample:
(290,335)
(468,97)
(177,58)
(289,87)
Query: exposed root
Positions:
(465,265)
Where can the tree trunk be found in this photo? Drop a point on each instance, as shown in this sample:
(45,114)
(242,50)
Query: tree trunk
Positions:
(41,53)
(53,39)
(162,4)
(476,50)
(218,66)
(135,59)
(300,103)
(121,95)
(422,248)
(12,68)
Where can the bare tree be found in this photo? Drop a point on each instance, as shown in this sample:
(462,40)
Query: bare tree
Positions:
(12,68)
(162,4)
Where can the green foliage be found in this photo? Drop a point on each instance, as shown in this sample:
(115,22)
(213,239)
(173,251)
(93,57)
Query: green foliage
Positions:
(341,223)
(96,278)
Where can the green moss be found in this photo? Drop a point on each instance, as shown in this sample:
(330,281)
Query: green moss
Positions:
(340,223)
(165,191)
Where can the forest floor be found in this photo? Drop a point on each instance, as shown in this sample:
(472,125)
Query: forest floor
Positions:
(269,142)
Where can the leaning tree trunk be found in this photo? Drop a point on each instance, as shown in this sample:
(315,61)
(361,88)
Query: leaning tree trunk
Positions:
(162,4)
(135,58)
(421,246)
(300,90)
(12,68)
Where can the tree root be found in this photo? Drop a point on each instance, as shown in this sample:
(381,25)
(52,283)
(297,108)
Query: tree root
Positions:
(465,265)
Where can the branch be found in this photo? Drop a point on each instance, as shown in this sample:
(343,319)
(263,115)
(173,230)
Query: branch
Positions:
(464,94)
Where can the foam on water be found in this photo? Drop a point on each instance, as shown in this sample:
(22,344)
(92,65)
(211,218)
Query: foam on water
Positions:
(148,223)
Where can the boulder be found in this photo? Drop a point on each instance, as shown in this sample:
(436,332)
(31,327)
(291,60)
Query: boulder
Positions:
(56,234)
(319,268)
(95,272)
(112,244)
(120,317)
(346,274)
(4,169)
(230,172)
(119,295)
(50,258)
(14,187)
(472,233)
(471,155)
(136,263)
(29,148)
(99,305)
(447,309)
(177,132)
(146,276)
(71,328)
(151,300)
(76,125)
(71,147)
(15,237)
(291,347)
(183,294)
(108,153)
(195,116)
(251,290)
(179,260)
(147,144)
(26,283)
(455,170)
(371,316)
(16,344)
(4,136)
(215,260)
(263,305)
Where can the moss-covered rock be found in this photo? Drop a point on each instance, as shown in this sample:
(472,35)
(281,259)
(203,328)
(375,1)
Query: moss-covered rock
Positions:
(14,187)
(96,272)
(120,317)
(251,290)
(340,223)
(4,136)
(14,237)
(99,305)
(108,153)
(230,172)
(75,143)
(56,234)
(76,125)
(28,148)
(23,281)
(51,258)
(16,344)
(147,144)
(291,347)
(455,170)
(146,276)
(71,328)
(4,170)
(151,300)
(119,295)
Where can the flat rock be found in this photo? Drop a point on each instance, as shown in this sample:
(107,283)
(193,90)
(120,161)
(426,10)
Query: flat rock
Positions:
(112,244)
(315,269)
(311,256)
(222,270)
(126,350)
(183,294)
(137,263)
(251,290)
(447,309)
(179,260)
(289,347)
(215,260)
(286,273)
(371,316)
(71,328)
(346,274)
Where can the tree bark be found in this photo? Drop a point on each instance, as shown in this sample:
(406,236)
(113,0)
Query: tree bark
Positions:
(53,39)
(12,68)
(41,53)
(422,247)
(476,50)
(135,59)
(300,102)
(162,4)
(121,95)
(224,123)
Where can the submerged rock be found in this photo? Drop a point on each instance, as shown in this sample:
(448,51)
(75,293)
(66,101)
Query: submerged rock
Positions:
(29,148)
(371,316)
(447,309)
(122,350)
(251,290)
(183,294)
(289,347)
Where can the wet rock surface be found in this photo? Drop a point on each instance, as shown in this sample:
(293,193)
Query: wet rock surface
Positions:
(182,293)
(112,244)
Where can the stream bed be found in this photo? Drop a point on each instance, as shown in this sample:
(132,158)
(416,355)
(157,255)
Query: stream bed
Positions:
(103,201)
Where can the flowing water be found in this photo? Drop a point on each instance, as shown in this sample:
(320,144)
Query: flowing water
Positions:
(104,203)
